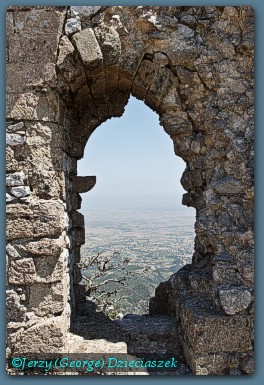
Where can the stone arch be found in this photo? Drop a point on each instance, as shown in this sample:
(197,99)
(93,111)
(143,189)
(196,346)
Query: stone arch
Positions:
(190,65)
(109,75)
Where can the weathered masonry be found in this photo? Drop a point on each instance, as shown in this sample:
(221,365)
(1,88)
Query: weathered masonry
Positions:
(68,70)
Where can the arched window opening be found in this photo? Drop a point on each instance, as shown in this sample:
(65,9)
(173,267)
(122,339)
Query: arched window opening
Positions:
(137,231)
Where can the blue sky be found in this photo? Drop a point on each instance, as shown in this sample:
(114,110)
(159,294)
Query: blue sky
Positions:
(134,162)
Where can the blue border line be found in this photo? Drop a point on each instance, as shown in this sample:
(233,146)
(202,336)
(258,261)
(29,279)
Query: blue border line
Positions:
(259,206)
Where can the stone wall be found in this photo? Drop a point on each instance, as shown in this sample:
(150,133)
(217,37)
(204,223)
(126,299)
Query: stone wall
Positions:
(69,69)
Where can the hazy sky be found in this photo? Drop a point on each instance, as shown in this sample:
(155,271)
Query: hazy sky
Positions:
(134,163)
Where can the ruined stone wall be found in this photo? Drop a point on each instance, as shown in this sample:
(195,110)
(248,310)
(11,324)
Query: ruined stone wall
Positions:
(69,69)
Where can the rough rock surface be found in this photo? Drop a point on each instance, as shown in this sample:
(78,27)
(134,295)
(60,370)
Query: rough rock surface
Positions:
(194,67)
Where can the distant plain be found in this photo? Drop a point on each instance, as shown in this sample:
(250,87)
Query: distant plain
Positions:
(161,241)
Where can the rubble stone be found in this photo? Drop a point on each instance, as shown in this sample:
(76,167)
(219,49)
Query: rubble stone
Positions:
(20,191)
(16,127)
(72,26)
(235,299)
(15,179)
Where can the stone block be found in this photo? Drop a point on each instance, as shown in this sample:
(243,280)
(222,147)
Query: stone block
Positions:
(76,149)
(84,11)
(76,251)
(15,179)
(159,303)
(45,167)
(248,364)
(212,363)
(39,21)
(41,158)
(15,311)
(176,123)
(111,81)
(191,179)
(189,200)
(22,272)
(70,165)
(86,109)
(24,8)
(147,334)
(161,88)
(117,107)
(20,191)
(225,273)
(9,198)
(51,269)
(66,49)
(145,76)
(12,252)
(88,48)
(182,50)
(223,258)
(78,234)
(235,299)
(21,78)
(77,219)
(16,127)
(72,25)
(9,23)
(110,44)
(79,294)
(44,247)
(47,184)
(45,133)
(47,299)
(41,219)
(9,32)
(15,139)
(125,80)
(76,201)
(160,59)
(19,52)
(210,331)
(170,100)
(132,53)
(33,106)
(247,271)
(77,275)
(182,145)
(228,185)
(11,164)
(83,184)
(70,65)
(96,79)
(47,336)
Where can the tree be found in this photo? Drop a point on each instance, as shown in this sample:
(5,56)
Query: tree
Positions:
(104,274)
